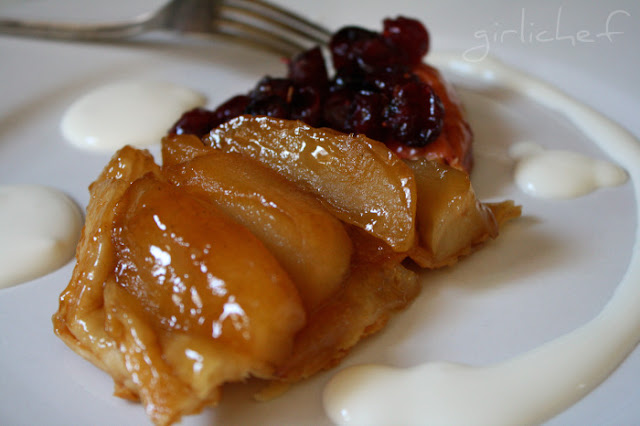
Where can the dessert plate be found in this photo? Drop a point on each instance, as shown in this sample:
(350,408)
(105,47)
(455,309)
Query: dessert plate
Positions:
(548,273)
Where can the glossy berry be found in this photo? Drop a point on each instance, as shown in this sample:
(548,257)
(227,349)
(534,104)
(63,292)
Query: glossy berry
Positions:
(231,108)
(200,121)
(409,37)
(337,110)
(309,69)
(367,114)
(387,79)
(347,44)
(373,92)
(306,105)
(197,121)
(415,115)
(271,97)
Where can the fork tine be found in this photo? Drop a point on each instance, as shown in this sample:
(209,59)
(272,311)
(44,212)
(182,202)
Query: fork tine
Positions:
(273,19)
(266,22)
(286,18)
(253,36)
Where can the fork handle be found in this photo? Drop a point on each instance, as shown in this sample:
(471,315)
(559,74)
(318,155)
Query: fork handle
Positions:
(63,31)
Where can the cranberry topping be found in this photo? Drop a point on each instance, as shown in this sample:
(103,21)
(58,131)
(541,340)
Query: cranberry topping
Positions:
(409,36)
(367,114)
(374,90)
(200,121)
(306,105)
(355,48)
(347,46)
(308,69)
(415,114)
(271,97)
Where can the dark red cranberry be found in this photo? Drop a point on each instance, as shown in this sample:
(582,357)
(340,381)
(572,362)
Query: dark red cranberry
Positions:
(272,106)
(197,121)
(337,110)
(377,53)
(367,114)
(385,80)
(408,36)
(347,44)
(230,109)
(269,87)
(352,79)
(309,69)
(415,115)
(306,105)
(271,97)
(200,121)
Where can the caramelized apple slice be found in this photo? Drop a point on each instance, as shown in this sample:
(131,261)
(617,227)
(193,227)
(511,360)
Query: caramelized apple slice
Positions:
(177,149)
(195,270)
(378,287)
(358,179)
(80,318)
(450,220)
(152,379)
(310,244)
(190,273)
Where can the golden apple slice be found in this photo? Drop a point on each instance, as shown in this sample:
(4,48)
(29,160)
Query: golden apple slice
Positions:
(196,271)
(358,179)
(377,287)
(310,244)
(177,149)
(80,318)
(196,301)
(450,220)
(151,378)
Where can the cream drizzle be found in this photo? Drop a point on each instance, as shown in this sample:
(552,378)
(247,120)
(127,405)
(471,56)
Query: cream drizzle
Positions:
(126,113)
(536,385)
(40,228)
(551,173)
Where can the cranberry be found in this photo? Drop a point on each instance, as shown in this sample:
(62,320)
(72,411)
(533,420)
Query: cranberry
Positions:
(271,97)
(230,109)
(200,121)
(377,53)
(409,36)
(306,105)
(356,111)
(352,79)
(309,69)
(197,121)
(270,87)
(272,106)
(348,44)
(415,115)
(385,80)
(337,109)
(367,114)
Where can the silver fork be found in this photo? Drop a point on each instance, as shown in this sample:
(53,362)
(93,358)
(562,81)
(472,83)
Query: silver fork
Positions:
(254,22)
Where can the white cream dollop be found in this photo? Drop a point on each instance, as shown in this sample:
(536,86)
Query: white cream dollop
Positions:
(550,173)
(135,113)
(39,229)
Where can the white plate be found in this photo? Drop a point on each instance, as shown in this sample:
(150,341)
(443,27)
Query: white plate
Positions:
(548,273)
